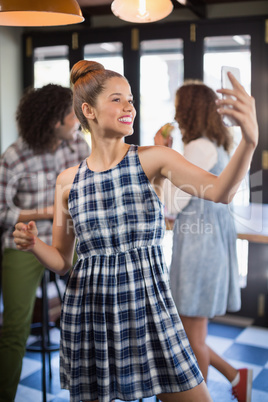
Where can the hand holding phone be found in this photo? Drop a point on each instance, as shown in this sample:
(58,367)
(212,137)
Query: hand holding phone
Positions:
(226,83)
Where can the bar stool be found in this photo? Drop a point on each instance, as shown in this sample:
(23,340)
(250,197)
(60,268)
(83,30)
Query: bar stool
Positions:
(45,347)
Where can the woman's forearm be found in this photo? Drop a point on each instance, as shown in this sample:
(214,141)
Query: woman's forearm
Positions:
(233,174)
(51,258)
(27,215)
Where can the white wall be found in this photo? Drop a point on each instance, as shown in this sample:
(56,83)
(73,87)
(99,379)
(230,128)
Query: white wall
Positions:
(10,83)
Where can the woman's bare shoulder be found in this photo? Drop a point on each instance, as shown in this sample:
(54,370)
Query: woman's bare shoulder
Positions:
(157,153)
(67,176)
(156,159)
(151,150)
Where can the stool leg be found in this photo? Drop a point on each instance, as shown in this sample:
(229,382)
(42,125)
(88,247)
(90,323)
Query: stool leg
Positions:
(44,330)
(46,346)
(57,287)
(47,338)
(60,298)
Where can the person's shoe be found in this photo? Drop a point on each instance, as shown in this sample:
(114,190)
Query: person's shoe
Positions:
(242,391)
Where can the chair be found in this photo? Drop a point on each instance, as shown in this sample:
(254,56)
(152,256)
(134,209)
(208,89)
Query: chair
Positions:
(45,347)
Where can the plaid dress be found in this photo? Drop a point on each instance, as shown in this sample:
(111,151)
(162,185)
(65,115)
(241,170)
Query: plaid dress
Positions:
(121,335)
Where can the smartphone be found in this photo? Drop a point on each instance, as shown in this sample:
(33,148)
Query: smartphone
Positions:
(226,83)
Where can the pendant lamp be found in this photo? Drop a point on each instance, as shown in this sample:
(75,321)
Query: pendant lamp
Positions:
(39,12)
(141,11)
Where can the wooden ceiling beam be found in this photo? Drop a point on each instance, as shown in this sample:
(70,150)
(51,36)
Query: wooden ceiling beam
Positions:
(96,10)
(196,6)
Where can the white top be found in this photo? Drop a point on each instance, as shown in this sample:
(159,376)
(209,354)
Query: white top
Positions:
(201,152)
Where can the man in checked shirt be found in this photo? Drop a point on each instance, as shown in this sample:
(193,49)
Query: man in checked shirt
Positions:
(48,143)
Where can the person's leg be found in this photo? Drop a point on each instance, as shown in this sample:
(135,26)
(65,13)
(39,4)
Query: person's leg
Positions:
(196,330)
(222,365)
(241,380)
(21,275)
(199,393)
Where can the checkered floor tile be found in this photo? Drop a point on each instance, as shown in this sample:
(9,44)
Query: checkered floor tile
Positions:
(242,347)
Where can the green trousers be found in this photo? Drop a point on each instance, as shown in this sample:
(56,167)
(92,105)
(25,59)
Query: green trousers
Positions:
(21,276)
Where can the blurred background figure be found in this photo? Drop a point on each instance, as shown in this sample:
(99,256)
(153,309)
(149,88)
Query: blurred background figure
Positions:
(48,143)
(204,269)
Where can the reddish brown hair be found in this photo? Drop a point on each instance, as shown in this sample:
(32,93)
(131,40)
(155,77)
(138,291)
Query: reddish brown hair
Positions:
(88,79)
(197,116)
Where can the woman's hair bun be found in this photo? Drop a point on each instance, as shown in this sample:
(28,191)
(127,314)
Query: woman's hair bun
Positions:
(83,67)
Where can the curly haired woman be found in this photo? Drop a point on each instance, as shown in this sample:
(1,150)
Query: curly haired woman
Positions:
(204,268)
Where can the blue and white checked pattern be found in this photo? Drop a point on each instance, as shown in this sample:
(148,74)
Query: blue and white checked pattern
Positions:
(121,334)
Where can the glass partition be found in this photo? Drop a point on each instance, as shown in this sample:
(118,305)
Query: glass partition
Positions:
(108,53)
(161,73)
(51,66)
(233,51)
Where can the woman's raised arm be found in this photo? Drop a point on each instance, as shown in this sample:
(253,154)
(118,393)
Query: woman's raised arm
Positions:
(161,162)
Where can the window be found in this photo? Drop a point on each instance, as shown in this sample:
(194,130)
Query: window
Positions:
(231,51)
(108,53)
(51,66)
(161,73)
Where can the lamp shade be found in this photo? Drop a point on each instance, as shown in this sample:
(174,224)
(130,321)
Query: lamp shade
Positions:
(39,12)
(141,11)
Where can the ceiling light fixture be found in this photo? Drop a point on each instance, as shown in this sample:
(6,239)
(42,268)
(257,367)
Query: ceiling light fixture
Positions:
(39,12)
(141,11)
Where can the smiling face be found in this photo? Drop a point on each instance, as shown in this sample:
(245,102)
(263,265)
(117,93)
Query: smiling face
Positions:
(114,112)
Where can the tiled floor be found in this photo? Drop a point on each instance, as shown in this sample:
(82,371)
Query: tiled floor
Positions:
(242,347)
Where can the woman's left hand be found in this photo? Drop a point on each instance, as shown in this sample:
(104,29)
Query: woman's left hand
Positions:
(25,235)
(243,109)
(159,139)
